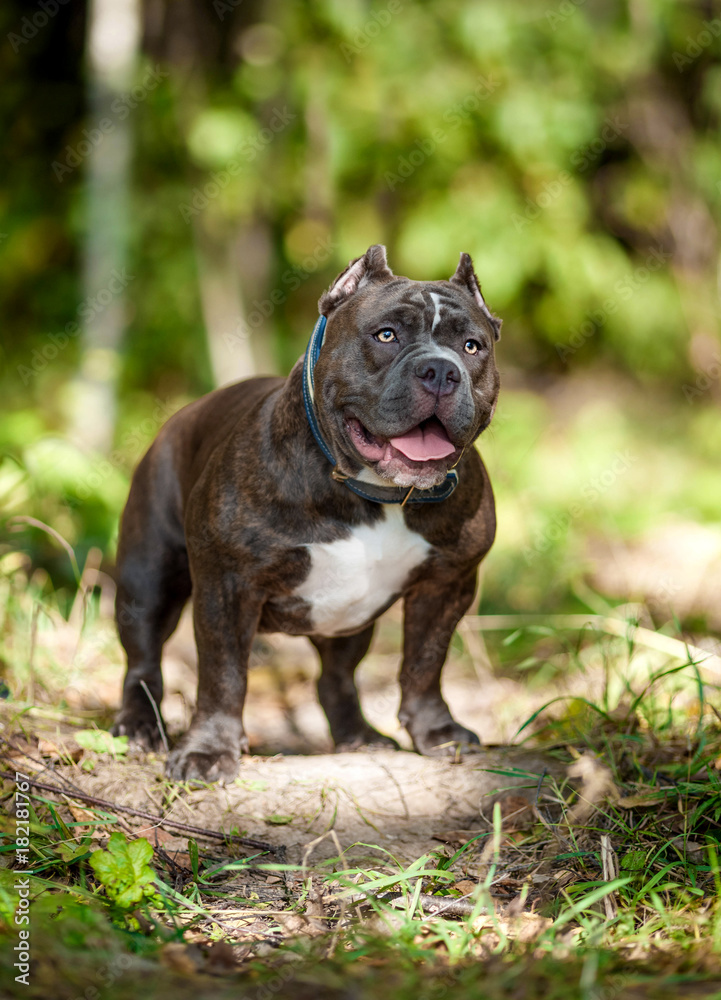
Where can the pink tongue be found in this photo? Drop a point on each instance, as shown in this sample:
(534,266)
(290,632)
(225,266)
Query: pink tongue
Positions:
(424,444)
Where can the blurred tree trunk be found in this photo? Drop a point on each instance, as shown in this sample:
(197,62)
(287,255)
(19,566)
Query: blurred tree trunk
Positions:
(230,341)
(199,40)
(113,35)
(232,263)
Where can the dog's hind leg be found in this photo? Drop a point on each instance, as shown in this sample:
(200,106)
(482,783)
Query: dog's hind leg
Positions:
(153,584)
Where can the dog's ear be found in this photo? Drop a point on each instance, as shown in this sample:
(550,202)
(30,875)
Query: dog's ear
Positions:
(372,266)
(466,277)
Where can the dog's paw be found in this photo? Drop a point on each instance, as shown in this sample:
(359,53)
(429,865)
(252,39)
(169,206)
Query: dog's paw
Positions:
(445,741)
(209,751)
(142,730)
(366,739)
(185,764)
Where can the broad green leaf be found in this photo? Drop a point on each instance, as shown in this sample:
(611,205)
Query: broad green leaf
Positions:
(101,741)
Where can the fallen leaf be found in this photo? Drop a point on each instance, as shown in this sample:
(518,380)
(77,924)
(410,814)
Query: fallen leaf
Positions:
(155,834)
(516,813)
(563,876)
(296,923)
(695,852)
(639,801)
(529,927)
(23,763)
(81,815)
(182,858)
(465,886)
(46,748)
(179,958)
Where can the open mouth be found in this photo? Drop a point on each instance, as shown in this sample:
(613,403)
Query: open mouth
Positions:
(427,442)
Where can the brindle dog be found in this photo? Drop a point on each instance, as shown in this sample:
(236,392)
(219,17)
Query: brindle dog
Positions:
(308,505)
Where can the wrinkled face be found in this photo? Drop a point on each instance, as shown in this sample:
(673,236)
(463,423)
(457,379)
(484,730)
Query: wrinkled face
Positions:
(406,378)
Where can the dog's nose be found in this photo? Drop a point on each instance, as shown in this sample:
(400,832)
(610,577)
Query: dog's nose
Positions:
(440,376)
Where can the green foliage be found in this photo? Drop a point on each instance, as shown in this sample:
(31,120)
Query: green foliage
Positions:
(57,848)
(518,133)
(124,872)
(101,741)
(572,149)
(659,814)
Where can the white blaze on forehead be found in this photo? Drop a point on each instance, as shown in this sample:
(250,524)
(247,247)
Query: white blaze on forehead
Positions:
(437,316)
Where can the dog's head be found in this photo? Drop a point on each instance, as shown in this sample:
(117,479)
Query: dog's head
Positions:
(406,378)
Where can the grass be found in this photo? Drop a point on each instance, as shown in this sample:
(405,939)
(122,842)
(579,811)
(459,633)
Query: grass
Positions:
(604,883)
(599,884)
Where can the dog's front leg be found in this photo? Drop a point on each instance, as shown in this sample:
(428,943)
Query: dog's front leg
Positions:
(225,616)
(432,610)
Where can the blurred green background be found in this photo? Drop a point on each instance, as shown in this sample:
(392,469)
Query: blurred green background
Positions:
(183,178)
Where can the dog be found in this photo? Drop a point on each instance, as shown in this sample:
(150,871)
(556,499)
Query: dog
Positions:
(308,505)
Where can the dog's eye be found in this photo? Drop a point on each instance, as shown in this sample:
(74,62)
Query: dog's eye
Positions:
(386,336)
(471,347)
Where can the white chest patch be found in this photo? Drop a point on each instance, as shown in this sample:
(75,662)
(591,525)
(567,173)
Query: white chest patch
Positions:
(351,579)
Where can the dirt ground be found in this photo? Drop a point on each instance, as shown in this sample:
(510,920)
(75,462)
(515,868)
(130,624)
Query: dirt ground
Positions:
(292,789)
(399,801)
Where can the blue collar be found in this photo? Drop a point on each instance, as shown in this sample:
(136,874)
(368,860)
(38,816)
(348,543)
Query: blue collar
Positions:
(378,494)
